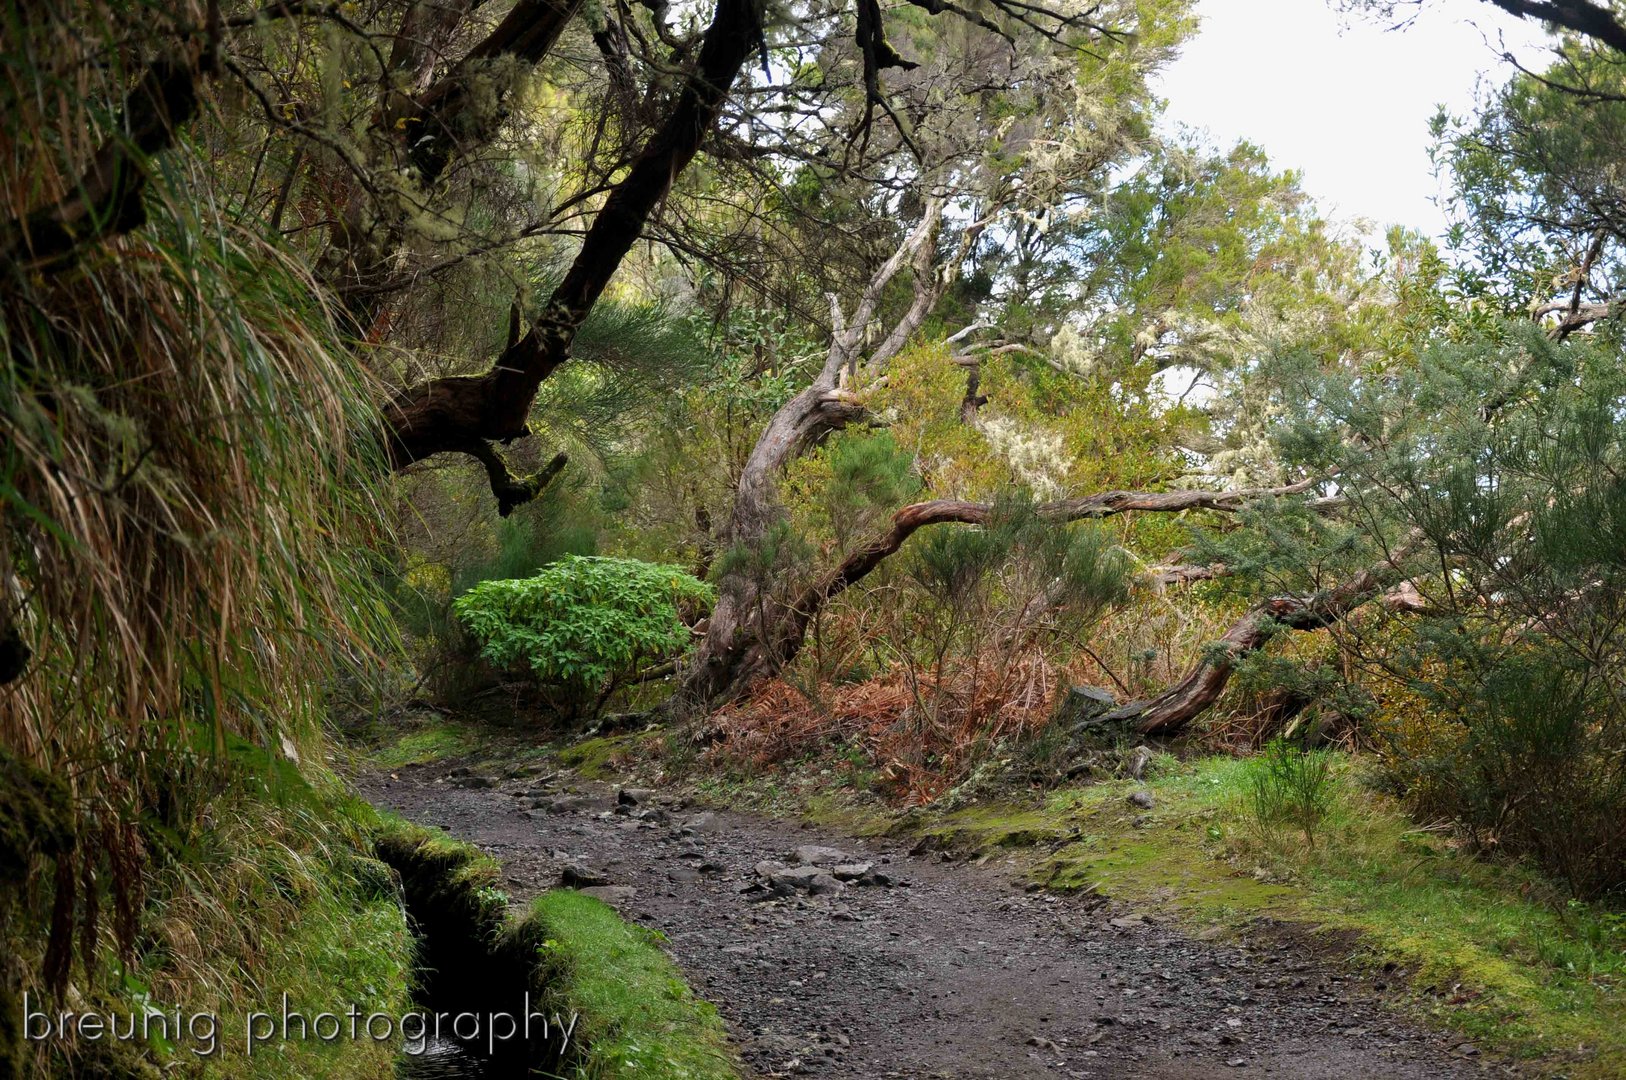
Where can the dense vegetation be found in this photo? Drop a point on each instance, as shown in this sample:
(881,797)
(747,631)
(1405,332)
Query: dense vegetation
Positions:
(584,623)
(584,360)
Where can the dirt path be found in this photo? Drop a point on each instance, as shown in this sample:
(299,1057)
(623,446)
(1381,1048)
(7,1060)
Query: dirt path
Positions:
(952,971)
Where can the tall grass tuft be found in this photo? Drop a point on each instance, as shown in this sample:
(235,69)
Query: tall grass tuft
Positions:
(1291,785)
(185,504)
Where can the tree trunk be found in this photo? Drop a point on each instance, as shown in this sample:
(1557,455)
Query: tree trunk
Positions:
(732,656)
(745,641)
(1172,710)
(467,413)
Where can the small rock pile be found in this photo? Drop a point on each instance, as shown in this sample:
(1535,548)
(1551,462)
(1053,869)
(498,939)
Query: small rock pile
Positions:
(815,870)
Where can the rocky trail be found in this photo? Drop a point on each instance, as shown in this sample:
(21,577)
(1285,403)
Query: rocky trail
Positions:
(837,957)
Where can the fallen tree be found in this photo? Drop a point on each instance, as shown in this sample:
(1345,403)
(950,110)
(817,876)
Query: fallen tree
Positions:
(733,659)
(1201,686)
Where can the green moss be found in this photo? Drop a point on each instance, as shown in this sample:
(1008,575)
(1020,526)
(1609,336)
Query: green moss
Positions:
(845,815)
(596,759)
(979,829)
(425,746)
(1154,869)
(271,892)
(639,1019)
(327,922)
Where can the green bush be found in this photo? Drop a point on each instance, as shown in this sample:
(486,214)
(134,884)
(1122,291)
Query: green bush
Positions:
(1288,785)
(585,623)
(1527,755)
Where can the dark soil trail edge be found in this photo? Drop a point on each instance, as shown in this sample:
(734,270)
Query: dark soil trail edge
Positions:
(954,973)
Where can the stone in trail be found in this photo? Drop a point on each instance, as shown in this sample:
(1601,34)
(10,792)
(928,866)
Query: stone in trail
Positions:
(810,879)
(818,855)
(706,822)
(577,876)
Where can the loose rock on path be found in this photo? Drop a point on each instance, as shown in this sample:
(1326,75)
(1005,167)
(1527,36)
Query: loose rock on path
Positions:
(836,957)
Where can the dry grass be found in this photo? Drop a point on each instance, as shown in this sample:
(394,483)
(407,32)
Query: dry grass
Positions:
(184,476)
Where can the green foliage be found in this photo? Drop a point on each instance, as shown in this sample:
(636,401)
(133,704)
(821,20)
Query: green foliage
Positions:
(772,561)
(870,477)
(628,362)
(984,602)
(1489,475)
(1538,179)
(584,621)
(1524,749)
(1071,573)
(461,545)
(1290,785)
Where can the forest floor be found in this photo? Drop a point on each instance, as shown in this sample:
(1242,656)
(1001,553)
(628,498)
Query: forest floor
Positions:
(925,966)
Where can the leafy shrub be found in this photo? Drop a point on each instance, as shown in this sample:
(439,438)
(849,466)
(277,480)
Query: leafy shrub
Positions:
(440,570)
(585,623)
(1529,757)
(1288,785)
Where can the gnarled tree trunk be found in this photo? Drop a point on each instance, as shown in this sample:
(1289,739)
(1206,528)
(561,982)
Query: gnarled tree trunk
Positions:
(1201,686)
(760,642)
(744,640)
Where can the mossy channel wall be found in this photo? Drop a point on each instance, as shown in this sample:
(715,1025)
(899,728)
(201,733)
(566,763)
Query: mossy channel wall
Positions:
(473,958)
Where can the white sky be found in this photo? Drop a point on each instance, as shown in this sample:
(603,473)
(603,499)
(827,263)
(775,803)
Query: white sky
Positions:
(1342,98)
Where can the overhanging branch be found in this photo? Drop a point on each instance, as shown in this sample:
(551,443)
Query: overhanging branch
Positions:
(1202,685)
(1581,16)
(447,414)
(511,491)
(911,519)
(107,200)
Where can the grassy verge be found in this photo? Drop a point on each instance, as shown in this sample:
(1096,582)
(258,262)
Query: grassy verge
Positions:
(638,1019)
(1491,950)
(292,903)
(273,892)
(424,744)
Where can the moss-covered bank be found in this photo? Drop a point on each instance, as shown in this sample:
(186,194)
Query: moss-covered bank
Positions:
(271,890)
(605,1002)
